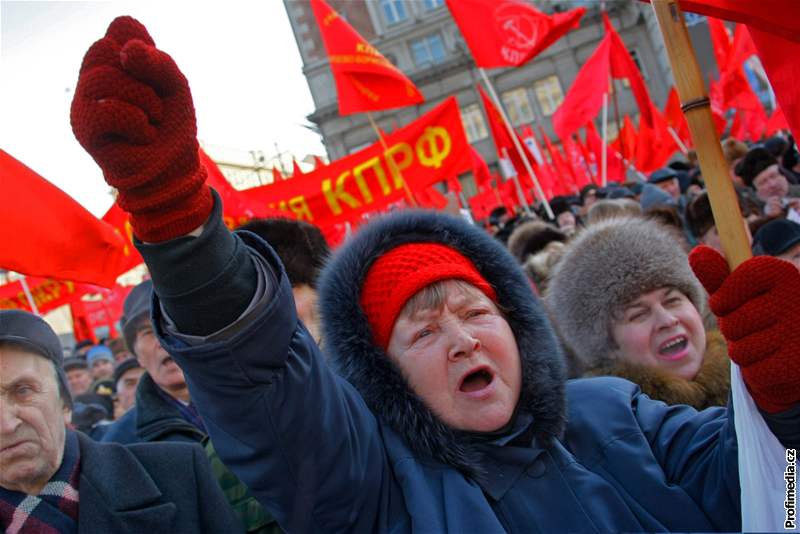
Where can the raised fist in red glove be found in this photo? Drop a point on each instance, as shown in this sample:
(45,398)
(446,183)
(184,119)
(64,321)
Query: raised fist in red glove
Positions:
(133,113)
(758,308)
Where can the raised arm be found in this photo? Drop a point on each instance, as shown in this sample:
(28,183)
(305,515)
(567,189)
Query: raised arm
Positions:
(299,436)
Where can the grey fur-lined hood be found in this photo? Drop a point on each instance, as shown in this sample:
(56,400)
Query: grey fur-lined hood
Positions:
(349,342)
(607,266)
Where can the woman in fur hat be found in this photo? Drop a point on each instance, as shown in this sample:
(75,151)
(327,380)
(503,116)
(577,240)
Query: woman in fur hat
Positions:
(627,304)
(446,409)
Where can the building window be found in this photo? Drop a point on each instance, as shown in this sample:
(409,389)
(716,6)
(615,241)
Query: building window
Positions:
(549,94)
(393,11)
(430,5)
(428,50)
(472,118)
(518,106)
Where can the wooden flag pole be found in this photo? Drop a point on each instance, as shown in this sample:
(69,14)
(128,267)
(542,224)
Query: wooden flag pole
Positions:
(696,107)
(518,146)
(27,290)
(409,195)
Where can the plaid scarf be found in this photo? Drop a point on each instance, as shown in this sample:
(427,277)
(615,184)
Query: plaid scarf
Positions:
(55,509)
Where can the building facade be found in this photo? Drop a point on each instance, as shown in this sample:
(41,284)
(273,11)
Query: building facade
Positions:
(421,39)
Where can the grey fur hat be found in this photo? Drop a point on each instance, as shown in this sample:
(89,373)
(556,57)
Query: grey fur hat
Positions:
(531,237)
(605,267)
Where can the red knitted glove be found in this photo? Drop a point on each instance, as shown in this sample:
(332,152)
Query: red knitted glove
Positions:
(758,307)
(133,113)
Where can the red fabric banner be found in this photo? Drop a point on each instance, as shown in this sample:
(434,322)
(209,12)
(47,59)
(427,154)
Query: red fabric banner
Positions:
(365,80)
(585,96)
(48,294)
(44,232)
(480,170)
(676,119)
(105,311)
(504,142)
(775,30)
(615,172)
(483,203)
(422,153)
(776,122)
(655,145)
(508,33)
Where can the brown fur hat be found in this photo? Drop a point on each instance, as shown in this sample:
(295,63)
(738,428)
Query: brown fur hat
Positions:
(532,237)
(607,266)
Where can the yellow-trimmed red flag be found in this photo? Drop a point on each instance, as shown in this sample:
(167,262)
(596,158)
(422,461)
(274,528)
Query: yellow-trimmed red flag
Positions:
(365,80)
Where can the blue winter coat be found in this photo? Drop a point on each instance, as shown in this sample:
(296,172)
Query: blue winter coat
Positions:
(327,454)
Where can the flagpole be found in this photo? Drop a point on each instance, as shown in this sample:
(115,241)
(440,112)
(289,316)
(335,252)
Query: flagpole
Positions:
(678,141)
(604,152)
(514,178)
(517,145)
(390,161)
(696,107)
(28,295)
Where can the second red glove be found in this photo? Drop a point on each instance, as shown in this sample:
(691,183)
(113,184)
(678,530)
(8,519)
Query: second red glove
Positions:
(758,307)
(133,113)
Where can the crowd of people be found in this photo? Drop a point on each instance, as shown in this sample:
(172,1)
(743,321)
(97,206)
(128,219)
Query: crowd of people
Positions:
(519,374)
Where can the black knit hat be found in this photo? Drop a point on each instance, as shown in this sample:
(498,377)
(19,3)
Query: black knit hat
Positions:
(34,335)
(123,367)
(776,237)
(136,306)
(753,163)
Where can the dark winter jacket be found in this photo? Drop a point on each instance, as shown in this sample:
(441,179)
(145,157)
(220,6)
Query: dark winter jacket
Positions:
(154,488)
(153,419)
(356,450)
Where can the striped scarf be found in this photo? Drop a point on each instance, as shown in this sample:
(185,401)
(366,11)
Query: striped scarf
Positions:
(55,509)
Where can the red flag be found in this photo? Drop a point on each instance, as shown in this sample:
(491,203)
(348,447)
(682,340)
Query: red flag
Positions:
(120,222)
(615,172)
(480,170)
(276,175)
(502,138)
(720,42)
(81,328)
(585,97)
(509,33)
(564,181)
(365,80)
(655,145)
(297,172)
(775,30)
(44,232)
(776,122)
(318,163)
(626,140)
(675,117)
(578,166)
(431,198)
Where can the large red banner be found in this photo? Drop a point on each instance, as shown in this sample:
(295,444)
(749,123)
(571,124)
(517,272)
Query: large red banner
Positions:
(48,294)
(429,150)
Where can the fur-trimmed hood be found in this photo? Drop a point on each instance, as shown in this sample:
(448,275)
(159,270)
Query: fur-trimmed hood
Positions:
(710,387)
(349,342)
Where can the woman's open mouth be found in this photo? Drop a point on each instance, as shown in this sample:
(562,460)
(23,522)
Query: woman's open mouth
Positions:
(477,382)
(674,348)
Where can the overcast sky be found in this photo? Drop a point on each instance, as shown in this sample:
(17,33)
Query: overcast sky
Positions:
(240,58)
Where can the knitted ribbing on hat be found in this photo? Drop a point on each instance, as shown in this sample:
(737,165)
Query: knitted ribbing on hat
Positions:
(403,271)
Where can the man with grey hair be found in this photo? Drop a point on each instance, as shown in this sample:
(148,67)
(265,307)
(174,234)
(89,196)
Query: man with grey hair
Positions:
(53,479)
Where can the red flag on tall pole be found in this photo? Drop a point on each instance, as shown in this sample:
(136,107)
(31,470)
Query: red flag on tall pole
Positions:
(44,232)
(775,30)
(509,33)
(365,80)
(585,97)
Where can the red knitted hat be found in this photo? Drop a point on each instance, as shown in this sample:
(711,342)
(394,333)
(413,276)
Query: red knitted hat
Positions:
(399,274)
